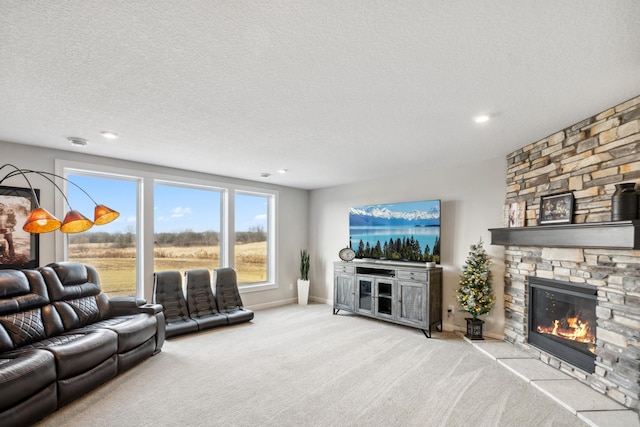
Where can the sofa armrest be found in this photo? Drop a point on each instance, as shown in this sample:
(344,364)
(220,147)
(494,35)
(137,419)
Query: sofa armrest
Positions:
(151,308)
(127,305)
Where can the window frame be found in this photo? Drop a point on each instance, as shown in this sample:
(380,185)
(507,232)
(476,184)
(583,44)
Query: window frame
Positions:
(272,197)
(199,186)
(65,168)
(146,178)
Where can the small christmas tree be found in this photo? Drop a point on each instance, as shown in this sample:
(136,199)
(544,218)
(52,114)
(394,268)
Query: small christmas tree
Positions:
(475,294)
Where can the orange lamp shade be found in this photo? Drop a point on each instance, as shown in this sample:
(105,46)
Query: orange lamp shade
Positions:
(75,222)
(104,215)
(41,221)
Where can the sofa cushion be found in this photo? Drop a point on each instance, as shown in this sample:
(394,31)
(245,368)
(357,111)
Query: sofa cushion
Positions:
(76,353)
(78,312)
(22,294)
(23,374)
(16,284)
(239,316)
(133,330)
(20,329)
(179,327)
(70,280)
(13,283)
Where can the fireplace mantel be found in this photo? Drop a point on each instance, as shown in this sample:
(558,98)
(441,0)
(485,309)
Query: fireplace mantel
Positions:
(601,235)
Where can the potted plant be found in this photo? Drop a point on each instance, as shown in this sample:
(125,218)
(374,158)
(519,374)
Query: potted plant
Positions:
(475,293)
(303,281)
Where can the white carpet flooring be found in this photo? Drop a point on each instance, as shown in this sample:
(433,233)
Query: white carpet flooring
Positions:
(303,366)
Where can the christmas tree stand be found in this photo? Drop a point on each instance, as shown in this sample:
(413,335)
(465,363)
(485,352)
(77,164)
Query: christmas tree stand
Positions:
(474,328)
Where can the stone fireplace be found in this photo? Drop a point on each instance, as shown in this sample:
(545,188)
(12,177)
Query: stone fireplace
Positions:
(562,321)
(592,254)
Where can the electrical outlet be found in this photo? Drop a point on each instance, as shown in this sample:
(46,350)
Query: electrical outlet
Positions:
(450,311)
(290,286)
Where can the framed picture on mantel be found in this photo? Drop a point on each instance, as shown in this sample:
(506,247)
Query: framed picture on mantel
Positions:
(556,208)
(516,214)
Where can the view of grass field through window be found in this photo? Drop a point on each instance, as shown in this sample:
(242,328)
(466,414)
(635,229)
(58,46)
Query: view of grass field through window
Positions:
(111,249)
(187,231)
(187,224)
(251,237)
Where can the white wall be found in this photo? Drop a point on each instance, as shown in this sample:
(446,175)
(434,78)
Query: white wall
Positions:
(292,221)
(472,198)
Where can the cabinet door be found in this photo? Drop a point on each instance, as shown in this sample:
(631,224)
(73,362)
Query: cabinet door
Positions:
(364,294)
(344,292)
(384,294)
(412,304)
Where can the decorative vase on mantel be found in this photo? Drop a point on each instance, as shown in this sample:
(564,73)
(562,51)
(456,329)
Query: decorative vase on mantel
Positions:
(624,202)
(474,328)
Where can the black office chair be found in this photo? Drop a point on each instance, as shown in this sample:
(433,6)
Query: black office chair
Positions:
(167,291)
(200,301)
(228,297)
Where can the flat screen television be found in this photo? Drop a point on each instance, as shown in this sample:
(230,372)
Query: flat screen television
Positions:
(408,231)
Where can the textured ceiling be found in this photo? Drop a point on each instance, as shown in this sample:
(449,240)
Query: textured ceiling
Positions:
(333,91)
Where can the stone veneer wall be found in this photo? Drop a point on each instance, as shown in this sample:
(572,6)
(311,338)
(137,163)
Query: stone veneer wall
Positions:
(588,158)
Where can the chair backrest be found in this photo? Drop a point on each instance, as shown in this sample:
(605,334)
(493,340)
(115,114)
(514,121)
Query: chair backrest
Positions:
(227,294)
(74,290)
(200,298)
(23,299)
(167,291)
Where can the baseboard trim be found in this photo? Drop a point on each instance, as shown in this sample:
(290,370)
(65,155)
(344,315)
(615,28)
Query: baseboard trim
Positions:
(273,304)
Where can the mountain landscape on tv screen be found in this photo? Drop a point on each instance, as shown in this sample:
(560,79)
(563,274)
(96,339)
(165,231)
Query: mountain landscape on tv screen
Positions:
(398,232)
(378,216)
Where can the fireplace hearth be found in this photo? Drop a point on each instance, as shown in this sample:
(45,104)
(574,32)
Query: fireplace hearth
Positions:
(562,320)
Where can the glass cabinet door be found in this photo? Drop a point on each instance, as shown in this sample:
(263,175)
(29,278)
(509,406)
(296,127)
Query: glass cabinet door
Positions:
(384,294)
(365,294)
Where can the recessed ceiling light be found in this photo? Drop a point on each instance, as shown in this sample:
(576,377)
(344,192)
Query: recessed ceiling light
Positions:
(282,170)
(483,118)
(78,142)
(109,135)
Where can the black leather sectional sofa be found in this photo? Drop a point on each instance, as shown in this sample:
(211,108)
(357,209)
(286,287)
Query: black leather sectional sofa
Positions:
(61,337)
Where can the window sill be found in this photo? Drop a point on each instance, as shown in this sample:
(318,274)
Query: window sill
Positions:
(256,287)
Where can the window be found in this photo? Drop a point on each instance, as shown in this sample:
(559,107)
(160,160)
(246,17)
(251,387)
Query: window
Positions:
(112,249)
(252,237)
(168,223)
(187,227)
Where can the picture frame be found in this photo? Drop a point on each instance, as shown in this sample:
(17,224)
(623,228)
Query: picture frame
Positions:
(556,208)
(516,214)
(18,248)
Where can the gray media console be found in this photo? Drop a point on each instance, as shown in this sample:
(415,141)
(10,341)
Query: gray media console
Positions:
(407,294)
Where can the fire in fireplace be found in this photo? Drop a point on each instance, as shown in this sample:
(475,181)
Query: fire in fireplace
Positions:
(573,326)
(562,320)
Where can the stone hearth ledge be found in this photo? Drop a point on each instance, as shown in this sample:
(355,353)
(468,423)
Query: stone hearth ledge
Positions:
(595,409)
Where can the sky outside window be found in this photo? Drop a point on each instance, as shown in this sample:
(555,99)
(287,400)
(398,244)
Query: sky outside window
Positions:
(179,208)
(117,194)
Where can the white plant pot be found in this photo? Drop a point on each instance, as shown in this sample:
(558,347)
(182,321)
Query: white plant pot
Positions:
(303,292)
